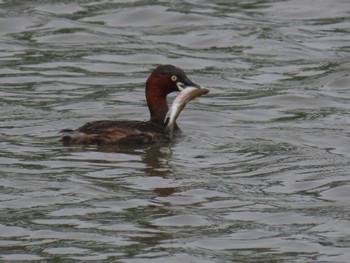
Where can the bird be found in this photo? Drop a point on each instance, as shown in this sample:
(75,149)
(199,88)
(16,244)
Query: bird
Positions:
(163,80)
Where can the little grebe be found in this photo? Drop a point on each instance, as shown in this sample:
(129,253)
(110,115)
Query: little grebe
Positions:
(162,81)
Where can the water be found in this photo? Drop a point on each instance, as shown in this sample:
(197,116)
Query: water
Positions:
(261,173)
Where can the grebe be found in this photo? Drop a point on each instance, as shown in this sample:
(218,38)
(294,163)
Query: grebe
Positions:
(162,81)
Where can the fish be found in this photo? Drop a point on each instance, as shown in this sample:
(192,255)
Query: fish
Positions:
(179,103)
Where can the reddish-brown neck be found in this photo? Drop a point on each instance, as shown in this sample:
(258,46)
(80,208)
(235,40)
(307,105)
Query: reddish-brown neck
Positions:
(156,99)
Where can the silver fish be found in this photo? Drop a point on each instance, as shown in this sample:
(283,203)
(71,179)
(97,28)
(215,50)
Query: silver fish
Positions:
(179,103)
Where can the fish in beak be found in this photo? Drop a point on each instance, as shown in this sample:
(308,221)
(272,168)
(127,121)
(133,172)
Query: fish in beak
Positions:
(186,95)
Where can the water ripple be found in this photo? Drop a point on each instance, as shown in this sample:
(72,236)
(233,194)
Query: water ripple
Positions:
(260,173)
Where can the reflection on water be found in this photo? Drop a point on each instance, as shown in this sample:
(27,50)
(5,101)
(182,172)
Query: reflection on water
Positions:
(261,173)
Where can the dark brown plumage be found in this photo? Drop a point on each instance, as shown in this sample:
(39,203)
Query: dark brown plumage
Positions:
(162,81)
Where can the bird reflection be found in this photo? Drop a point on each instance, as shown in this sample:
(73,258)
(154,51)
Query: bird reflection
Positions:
(156,159)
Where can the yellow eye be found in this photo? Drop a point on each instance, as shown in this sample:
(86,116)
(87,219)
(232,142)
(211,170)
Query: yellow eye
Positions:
(173,78)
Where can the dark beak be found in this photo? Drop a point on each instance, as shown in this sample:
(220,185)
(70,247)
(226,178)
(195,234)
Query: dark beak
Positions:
(181,85)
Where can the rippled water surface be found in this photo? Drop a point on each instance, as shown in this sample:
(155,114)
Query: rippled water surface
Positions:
(262,173)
